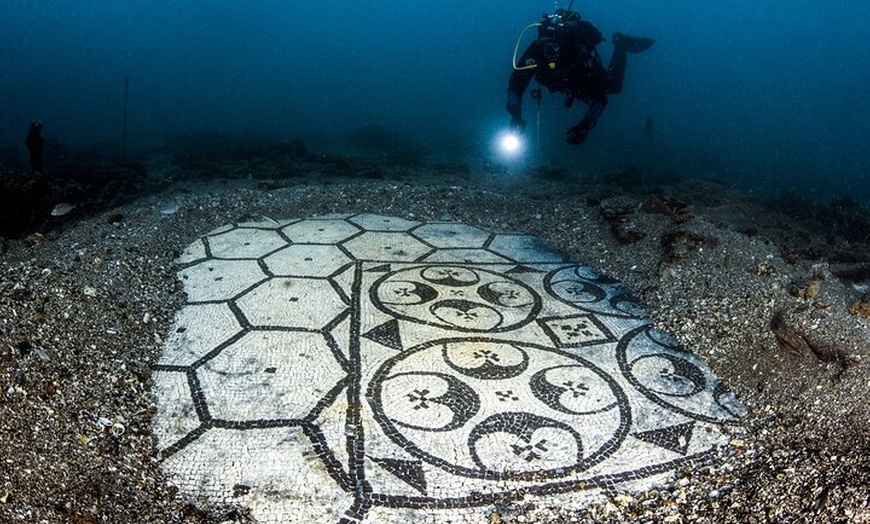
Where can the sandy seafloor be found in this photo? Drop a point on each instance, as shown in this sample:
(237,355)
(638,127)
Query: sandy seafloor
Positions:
(86,306)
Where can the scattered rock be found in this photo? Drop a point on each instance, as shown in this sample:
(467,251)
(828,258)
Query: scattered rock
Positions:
(618,207)
(861,307)
(679,244)
(857,272)
(682,217)
(269,184)
(169,206)
(791,336)
(664,205)
(34,239)
(788,255)
(627,230)
(620,212)
(806,290)
(765,269)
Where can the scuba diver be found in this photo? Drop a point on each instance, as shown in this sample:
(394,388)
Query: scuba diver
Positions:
(563,59)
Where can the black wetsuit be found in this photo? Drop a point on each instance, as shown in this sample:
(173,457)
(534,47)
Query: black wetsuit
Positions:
(569,63)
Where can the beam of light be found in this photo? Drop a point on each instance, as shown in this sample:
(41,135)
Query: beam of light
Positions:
(510,144)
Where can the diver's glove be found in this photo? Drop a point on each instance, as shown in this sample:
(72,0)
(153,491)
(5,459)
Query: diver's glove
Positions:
(517,122)
(577,134)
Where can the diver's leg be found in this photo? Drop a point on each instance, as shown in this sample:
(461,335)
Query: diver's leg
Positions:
(616,69)
(622,45)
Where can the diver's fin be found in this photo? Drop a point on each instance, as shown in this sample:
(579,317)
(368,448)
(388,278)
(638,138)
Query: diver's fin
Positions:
(632,44)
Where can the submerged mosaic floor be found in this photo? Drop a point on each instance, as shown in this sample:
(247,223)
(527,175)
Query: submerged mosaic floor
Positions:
(365,368)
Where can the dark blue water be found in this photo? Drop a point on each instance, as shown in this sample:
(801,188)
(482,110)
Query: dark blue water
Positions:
(771,94)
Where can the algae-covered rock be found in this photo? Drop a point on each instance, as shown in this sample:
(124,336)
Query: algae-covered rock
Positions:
(679,244)
(861,307)
(765,269)
(806,290)
(795,336)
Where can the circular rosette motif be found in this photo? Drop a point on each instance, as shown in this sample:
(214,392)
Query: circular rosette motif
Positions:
(487,360)
(429,401)
(573,389)
(517,442)
(669,375)
(585,289)
(456,298)
(494,409)
(399,293)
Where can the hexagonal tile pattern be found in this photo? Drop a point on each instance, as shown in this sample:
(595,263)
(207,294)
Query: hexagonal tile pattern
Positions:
(326,231)
(176,417)
(192,253)
(369,369)
(301,260)
(199,329)
(266,375)
(244,243)
(291,303)
(386,247)
(523,248)
(466,256)
(371,222)
(452,235)
(213,280)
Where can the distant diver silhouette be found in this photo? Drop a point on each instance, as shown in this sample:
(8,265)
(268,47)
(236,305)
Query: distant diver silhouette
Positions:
(34,143)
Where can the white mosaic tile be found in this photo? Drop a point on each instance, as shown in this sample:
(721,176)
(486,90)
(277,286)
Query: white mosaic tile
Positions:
(522,248)
(386,247)
(198,330)
(371,222)
(192,253)
(291,303)
(329,231)
(216,280)
(374,369)
(273,471)
(244,243)
(176,416)
(465,256)
(303,260)
(266,375)
(452,235)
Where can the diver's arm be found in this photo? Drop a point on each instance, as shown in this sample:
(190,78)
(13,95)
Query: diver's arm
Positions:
(577,134)
(517,84)
(596,107)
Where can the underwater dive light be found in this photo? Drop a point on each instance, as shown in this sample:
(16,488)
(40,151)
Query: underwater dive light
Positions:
(510,142)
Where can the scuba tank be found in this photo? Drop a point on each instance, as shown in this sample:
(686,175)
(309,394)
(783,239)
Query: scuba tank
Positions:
(562,29)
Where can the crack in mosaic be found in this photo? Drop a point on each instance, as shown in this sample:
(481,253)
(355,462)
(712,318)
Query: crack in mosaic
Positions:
(355,367)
